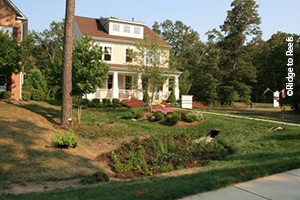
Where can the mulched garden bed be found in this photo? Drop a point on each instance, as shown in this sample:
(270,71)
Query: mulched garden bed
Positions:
(159,154)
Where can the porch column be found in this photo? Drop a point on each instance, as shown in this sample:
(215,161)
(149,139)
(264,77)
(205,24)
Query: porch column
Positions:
(176,87)
(140,87)
(115,85)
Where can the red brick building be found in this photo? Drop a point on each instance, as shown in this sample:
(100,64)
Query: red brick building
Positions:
(15,23)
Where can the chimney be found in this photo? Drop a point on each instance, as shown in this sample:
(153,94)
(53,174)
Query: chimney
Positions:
(133,19)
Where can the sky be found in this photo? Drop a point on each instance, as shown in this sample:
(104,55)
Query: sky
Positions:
(201,15)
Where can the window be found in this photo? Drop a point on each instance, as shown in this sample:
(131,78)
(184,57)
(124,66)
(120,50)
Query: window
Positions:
(137,30)
(107,53)
(157,58)
(116,27)
(148,59)
(7,29)
(128,82)
(110,82)
(126,29)
(129,55)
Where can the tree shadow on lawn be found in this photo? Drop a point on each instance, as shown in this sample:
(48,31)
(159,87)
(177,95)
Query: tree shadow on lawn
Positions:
(52,115)
(26,155)
(212,178)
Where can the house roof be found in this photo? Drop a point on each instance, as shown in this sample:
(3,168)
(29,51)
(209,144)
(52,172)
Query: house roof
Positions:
(16,9)
(93,28)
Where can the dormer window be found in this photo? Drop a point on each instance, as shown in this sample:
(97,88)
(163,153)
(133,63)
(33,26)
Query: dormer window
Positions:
(137,30)
(116,27)
(126,29)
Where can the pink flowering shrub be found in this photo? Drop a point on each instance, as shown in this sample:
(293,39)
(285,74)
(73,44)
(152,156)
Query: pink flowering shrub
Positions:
(164,111)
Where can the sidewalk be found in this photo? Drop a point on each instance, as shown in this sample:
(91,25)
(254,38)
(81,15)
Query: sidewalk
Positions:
(283,186)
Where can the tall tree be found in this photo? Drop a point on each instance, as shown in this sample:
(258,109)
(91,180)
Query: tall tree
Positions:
(66,111)
(240,26)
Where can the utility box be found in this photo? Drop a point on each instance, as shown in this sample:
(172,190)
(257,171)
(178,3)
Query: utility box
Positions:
(187,101)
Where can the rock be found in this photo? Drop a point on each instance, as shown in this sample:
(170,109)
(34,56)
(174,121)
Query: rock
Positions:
(278,129)
(209,136)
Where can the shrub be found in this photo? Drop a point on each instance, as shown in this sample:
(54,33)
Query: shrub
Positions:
(137,113)
(159,116)
(128,115)
(38,95)
(134,103)
(146,97)
(95,103)
(106,103)
(173,118)
(191,117)
(26,95)
(85,103)
(162,110)
(95,178)
(5,95)
(172,98)
(166,168)
(116,103)
(65,140)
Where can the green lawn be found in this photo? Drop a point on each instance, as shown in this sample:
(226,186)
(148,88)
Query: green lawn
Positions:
(257,152)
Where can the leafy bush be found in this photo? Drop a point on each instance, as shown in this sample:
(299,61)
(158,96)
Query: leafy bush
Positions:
(167,168)
(172,98)
(149,116)
(159,116)
(191,117)
(85,103)
(5,95)
(146,97)
(36,80)
(95,103)
(134,113)
(106,103)
(128,115)
(26,95)
(116,103)
(65,140)
(173,118)
(95,178)
(38,95)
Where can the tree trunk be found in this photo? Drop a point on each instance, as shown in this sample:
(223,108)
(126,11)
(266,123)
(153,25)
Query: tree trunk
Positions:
(79,109)
(66,111)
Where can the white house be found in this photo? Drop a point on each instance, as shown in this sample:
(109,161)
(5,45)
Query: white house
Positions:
(116,37)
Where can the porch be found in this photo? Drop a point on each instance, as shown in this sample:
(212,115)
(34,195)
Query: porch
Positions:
(125,85)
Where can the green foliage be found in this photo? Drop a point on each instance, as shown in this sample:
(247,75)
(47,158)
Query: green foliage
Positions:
(159,116)
(166,168)
(172,98)
(116,103)
(191,117)
(133,113)
(26,95)
(36,80)
(85,103)
(95,103)
(38,95)
(173,118)
(149,116)
(65,140)
(98,177)
(5,95)
(146,97)
(9,54)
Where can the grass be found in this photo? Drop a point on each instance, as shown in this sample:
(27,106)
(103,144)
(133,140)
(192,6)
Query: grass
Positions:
(286,115)
(257,152)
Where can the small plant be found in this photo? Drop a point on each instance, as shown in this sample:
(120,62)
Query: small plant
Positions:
(5,95)
(95,178)
(167,168)
(173,118)
(116,103)
(65,140)
(191,117)
(172,98)
(128,115)
(137,113)
(159,116)
(95,103)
